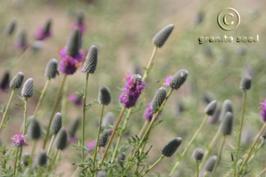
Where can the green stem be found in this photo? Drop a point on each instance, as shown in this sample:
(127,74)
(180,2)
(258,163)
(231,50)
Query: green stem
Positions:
(6,109)
(50,145)
(143,128)
(33,149)
(197,169)
(41,97)
(25,117)
(124,126)
(244,100)
(84,115)
(153,165)
(16,161)
(150,64)
(203,122)
(57,101)
(98,136)
(121,114)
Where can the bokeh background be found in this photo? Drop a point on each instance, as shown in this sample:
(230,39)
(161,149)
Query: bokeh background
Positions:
(123,31)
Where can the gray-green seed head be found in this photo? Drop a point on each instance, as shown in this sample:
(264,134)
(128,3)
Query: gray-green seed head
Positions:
(108,120)
(11,27)
(27,88)
(91,60)
(104,138)
(178,79)
(227,124)
(57,123)
(34,130)
(41,159)
(48,26)
(226,107)
(210,164)
(74,125)
(171,147)
(104,96)
(51,69)
(210,108)
(245,83)
(74,43)
(16,81)
(198,154)
(158,99)
(61,140)
(161,37)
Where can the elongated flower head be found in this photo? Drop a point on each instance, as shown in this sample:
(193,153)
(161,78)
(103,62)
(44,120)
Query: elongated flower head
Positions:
(91,60)
(74,44)
(18,140)
(57,123)
(74,126)
(27,88)
(263,111)
(51,69)
(158,99)
(171,147)
(16,81)
(207,98)
(148,113)
(210,164)
(226,107)
(4,82)
(227,124)
(245,83)
(131,91)
(198,154)
(216,116)
(22,40)
(108,120)
(104,96)
(80,23)
(34,130)
(210,108)
(44,32)
(104,137)
(41,159)
(11,27)
(161,37)
(178,79)
(167,81)
(61,140)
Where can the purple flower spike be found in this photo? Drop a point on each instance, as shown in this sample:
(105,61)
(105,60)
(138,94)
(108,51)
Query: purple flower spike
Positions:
(75,98)
(148,112)
(18,140)
(167,81)
(91,145)
(68,64)
(263,110)
(131,91)
(41,34)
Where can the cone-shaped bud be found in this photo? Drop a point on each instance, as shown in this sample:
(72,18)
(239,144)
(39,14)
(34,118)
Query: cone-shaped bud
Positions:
(198,154)
(4,82)
(34,130)
(161,37)
(158,99)
(226,107)
(104,138)
(108,120)
(171,147)
(104,96)
(74,125)
(74,44)
(11,27)
(210,164)
(41,159)
(91,60)
(178,79)
(27,88)
(17,81)
(227,124)
(51,69)
(210,108)
(57,123)
(245,83)
(61,140)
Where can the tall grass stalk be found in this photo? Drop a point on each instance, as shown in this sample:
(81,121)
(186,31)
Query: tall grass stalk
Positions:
(84,115)
(41,97)
(6,109)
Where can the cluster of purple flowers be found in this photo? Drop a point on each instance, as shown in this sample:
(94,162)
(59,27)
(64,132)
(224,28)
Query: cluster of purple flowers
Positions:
(18,140)
(131,91)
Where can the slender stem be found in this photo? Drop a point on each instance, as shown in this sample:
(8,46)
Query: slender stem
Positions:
(113,133)
(149,65)
(25,116)
(16,161)
(41,97)
(120,136)
(6,109)
(143,128)
(98,136)
(33,148)
(57,101)
(197,169)
(252,148)
(220,154)
(50,145)
(244,100)
(203,122)
(153,165)
(84,115)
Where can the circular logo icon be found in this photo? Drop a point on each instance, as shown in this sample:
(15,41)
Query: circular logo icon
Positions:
(228,19)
